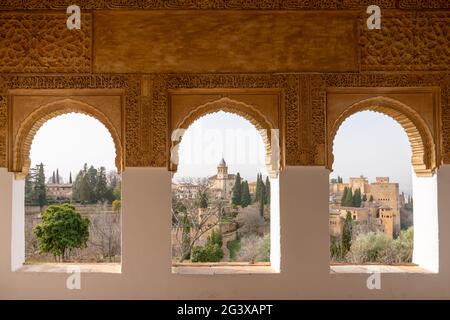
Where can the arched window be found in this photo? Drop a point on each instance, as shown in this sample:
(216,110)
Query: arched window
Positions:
(72,193)
(378,161)
(222,195)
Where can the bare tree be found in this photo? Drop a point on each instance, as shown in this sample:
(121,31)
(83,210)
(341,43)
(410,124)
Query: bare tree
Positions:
(193,218)
(105,234)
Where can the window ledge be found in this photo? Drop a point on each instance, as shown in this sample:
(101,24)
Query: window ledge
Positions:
(71,267)
(352,269)
(213,269)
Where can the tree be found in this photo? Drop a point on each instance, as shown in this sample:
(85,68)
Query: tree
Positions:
(357,198)
(364,198)
(101,187)
(30,181)
(339,179)
(62,229)
(344,196)
(258,187)
(92,178)
(245,195)
(39,187)
(202,197)
(346,240)
(348,201)
(237,191)
(70,178)
(190,226)
(267,191)
(371,198)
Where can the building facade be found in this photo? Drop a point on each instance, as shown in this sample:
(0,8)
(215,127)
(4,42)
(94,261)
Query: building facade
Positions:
(380,211)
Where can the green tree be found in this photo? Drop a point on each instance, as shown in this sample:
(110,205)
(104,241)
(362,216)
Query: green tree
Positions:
(258,187)
(245,195)
(339,179)
(348,201)
(39,187)
(346,240)
(92,178)
(30,181)
(364,198)
(267,191)
(203,199)
(237,190)
(344,196)
(186,238)
(61,230)
(357,198)
(101,188)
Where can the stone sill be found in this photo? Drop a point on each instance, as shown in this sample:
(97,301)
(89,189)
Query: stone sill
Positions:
(114,268)
(372,268)
(222,268)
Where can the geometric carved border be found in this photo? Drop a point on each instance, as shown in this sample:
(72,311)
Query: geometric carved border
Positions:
(228,4)
(146,105)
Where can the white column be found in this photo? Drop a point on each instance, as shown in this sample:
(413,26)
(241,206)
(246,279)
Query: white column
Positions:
(426,228)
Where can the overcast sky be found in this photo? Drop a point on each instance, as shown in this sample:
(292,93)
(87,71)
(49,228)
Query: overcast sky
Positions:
(68,141)
(373,145)
(367,143)
(219,135)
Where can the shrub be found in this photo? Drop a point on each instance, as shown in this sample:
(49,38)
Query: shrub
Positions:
(254,248)
(211,252)
(377,247)
(208,253)
(370,247)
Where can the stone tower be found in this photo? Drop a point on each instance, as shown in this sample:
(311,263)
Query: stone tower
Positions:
(222,170)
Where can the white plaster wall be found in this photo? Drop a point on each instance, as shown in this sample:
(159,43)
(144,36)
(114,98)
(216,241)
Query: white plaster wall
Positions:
(146,272)
(426,228)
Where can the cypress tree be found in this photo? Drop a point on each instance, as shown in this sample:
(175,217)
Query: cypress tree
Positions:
(371,198)
(245,195)
(202,199)
(237,190)
(40,189)
(364,198)
(348,202)
(101,187)
(70,177)
(347,234)
(357,198)
(267,191)
(344,196)
(258,187)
